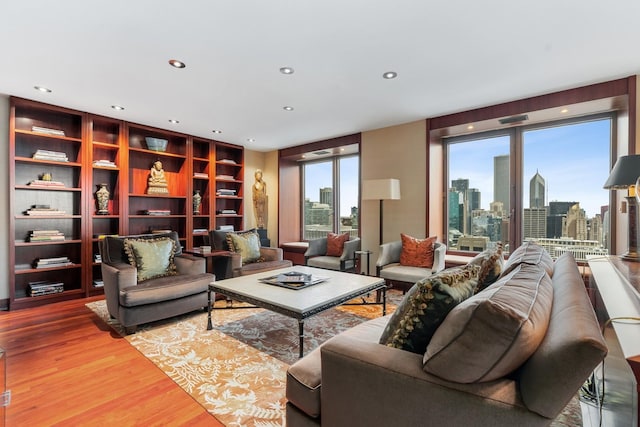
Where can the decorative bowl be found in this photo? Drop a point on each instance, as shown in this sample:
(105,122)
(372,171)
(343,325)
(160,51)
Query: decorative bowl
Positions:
(156,144)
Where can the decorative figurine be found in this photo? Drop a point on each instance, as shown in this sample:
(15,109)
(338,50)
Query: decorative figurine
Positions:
(157,181)
(259,190)
(102,199)
(197,199)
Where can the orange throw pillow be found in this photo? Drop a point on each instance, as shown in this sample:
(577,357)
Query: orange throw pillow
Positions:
(335,243)
(417,252)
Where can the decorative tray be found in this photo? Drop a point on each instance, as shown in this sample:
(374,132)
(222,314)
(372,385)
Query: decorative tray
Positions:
(293,280)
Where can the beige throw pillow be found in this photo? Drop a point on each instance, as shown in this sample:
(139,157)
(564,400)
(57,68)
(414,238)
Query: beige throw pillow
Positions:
(247,245)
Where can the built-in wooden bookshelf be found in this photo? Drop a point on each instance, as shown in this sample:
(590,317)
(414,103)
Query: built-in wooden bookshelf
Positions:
(59,158)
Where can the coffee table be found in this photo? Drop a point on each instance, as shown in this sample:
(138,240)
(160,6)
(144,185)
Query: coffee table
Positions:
(299,304)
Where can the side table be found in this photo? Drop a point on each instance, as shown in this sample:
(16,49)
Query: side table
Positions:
(360,254)
(218,262)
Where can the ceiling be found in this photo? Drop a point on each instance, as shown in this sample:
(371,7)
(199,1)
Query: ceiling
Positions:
(450,56)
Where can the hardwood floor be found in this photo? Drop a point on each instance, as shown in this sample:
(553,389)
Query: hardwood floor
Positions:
(66,367)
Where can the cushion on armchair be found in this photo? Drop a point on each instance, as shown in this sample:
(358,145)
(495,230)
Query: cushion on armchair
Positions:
(417,252)
(151,257)
(246,244)
(335,243)
(426,305)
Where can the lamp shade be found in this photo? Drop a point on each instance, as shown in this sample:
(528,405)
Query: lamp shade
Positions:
(382,189)
(624,173)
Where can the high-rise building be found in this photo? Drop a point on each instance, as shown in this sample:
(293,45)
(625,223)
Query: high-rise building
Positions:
(471,203)
(454,210)
(461,185)
(534,221)
(501,180)
(575,224)
(326,196)
(536,192)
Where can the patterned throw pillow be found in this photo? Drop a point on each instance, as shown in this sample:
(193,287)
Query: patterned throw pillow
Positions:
(491,264)
(426,305)
(335,243)
(247,245)
(417,252)
(151,257)
(229,239)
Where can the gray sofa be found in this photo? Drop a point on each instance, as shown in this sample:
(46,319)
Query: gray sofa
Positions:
(352,380)
(133,303)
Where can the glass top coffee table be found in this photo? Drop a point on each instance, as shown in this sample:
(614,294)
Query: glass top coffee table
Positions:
(337,288)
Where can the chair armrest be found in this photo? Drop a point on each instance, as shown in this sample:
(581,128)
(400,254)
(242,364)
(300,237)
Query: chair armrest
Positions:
(439,253)
(272,254)
(316,247)
(350,248)
(358,375)
(189,264)
(389,253)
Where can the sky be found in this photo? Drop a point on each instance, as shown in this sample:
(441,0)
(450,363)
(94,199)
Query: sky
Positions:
(319,175)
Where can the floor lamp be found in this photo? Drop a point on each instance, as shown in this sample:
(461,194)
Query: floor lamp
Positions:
(381,189)
(623,176)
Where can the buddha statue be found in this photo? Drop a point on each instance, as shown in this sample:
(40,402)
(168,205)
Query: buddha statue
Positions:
(157,180)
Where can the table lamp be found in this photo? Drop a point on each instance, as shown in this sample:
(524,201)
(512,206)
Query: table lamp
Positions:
(623,176)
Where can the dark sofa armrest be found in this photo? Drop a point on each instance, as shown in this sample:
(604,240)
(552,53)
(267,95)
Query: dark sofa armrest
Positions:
(189,264)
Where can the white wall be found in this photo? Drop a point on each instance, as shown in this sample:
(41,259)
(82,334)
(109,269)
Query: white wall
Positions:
(4,198)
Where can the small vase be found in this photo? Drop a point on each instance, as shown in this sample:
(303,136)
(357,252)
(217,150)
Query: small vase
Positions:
(102,199)
(197,199)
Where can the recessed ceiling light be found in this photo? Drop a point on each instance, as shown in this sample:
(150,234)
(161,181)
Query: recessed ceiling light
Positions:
(390,75)
(288,108)
(177,64)
(42,89)
(175,122)
(564,110)
(117,107)
(216,131)
(251,140)
(286,70)
(470,127)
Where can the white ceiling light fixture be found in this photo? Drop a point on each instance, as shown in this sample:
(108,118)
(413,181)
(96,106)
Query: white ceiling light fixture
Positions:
(287,108)
(216,131)
(174,121)
(286,70)
(251,140)
(390,75)
(42,89)
(117,107)
(177,64)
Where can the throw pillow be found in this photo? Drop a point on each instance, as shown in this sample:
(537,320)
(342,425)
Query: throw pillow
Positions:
(229,239)
(491,263)
(247,245)
(335,243)
(529,253)
(151,257)
(494,332)
(426,305)
(417,252)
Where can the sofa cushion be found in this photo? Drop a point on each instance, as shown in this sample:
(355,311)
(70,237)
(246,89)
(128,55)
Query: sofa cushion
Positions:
(151,257)
(335,243)
(417,252)
(491,263)
(426,305)
(218,238)
(529,253)
(246,244)
(163,289)
(494,332)
(403,273)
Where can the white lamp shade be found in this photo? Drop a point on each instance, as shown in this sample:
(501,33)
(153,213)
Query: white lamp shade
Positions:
(381,189)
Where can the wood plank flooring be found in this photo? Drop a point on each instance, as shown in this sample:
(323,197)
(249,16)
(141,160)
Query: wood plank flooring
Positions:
(66,367)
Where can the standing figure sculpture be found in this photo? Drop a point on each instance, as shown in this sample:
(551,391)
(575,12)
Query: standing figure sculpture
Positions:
(259,191)
(157,181)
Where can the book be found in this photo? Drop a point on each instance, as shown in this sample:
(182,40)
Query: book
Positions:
(40,129)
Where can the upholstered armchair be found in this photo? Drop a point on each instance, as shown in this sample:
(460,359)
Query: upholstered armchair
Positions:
(148,278)
(401,276)
(317,256)
(267,258)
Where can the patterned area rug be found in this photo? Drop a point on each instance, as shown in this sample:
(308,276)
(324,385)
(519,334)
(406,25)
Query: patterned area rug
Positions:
(237,371)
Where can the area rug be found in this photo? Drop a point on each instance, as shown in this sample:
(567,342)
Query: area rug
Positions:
(237,371)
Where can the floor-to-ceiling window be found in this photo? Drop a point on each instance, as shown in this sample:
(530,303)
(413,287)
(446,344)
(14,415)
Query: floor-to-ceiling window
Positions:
(541,182)
(330,196)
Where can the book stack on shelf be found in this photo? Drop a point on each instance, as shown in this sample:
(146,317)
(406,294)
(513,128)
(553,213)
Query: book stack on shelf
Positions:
(200,175)
(46,183)
(98,283)
(230,161)
(43,210)
(157,212)
(46,236)
(52,262)
(44,287)
(227,212)
(104,163)
(48,131)
(200,231)
(225,177)
(56,156)
(225,192)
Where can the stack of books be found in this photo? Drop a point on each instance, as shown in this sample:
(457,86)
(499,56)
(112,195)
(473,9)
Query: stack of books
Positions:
(45,183)
(157,212)
(98,283)
(225,177)
(104,163)
(56,156)
(46,236)
(200,175)
(49,131)
(225,192)
(230,161)
(40,210)
(52,262)
(228,212)
(44,287)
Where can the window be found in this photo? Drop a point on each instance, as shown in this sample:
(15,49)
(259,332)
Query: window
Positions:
(539,182)
(330,199)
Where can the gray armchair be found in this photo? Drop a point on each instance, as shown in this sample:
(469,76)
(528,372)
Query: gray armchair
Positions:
(315,256)
(133,302)
(401,276)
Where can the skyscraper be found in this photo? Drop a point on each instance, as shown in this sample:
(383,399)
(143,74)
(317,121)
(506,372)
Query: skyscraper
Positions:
(534,221)
(501,180)
(326,196)
(536,192)
(575,224)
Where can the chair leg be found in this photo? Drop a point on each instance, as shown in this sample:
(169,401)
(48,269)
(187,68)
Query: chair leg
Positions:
(130,329)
